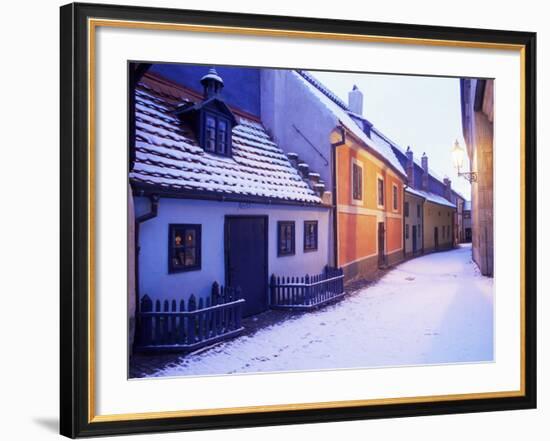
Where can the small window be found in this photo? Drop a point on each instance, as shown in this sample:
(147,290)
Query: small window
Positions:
(380,192)
(222,137)
(210,144)
(310,235)
(406,208)
(286,238)
(184,247)
(406,231)
(417,210)
(394,198)
(216,135)
(419,230)
(357,181)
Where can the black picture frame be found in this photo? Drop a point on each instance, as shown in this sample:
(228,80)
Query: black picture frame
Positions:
(76,419)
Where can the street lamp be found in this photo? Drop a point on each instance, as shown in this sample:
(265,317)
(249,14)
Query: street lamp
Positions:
(458,159)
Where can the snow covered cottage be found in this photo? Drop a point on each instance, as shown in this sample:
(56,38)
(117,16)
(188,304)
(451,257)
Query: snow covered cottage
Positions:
(216,199)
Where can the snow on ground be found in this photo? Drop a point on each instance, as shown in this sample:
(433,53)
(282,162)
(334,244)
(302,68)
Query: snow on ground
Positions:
(433,309)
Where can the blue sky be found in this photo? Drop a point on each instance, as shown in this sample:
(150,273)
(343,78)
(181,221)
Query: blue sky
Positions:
(421,112)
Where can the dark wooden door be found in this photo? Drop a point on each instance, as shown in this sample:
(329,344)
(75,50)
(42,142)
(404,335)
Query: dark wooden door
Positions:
(414,232)
(436,238)
(381,244)
(246,260)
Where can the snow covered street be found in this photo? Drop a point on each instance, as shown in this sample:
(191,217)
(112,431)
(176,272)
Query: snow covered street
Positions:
(436,308)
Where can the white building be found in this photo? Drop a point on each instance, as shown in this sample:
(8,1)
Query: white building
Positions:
(216,200)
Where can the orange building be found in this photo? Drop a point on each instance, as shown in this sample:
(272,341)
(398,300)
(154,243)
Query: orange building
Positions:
(369,203)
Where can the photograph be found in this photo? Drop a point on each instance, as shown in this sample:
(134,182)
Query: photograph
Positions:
(285,220)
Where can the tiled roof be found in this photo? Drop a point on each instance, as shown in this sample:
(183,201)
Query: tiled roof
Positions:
(169,157)
(344,115)
(431,197)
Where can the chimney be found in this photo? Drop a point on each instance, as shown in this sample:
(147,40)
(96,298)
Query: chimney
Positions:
(355,100)
(447,183)
(410,167)
(424,172)
(212,84)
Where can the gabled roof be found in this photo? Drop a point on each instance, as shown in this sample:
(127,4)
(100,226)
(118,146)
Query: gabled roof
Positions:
(168,156)
(340,110)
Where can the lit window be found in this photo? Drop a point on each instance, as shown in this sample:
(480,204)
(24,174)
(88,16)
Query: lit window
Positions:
(184,247)
(286,238)
(310,235)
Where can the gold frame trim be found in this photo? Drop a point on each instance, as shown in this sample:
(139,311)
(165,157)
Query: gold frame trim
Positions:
(261,32)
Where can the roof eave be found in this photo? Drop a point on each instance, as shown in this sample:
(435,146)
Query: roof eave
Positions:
(144,189)
(373,151)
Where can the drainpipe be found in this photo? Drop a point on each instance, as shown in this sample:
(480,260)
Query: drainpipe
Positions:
(334,190)
(152,213)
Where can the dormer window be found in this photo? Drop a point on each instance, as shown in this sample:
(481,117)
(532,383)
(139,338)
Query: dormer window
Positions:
(216,135)
(212,118)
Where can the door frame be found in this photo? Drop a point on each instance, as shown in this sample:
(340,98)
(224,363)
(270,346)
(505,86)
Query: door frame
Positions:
(382,260)
(265,217)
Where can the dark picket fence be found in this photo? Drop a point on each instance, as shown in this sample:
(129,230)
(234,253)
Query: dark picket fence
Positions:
(188,326)
(307,292)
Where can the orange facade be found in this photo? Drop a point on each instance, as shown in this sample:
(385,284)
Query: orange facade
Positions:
(370,204)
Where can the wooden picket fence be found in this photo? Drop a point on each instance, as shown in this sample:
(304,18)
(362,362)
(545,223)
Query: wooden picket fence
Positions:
(307,292)
(188,326)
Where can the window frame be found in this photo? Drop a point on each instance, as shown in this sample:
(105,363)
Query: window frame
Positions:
(406,231)
(395,197)
(406,208)
(172,228)
(380,179)
(292,252)
(316,247)
(204,130)
(359,164)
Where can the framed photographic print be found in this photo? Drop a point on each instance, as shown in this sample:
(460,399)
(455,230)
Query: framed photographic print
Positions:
(273,220)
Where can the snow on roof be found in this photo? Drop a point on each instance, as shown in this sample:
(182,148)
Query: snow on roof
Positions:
(431,197)
(169,156)
(340,111)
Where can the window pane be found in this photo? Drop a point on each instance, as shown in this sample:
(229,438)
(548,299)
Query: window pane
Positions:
(189,238)
(222,137)
(286,238)
(357,181)
(189,256)
(210,134)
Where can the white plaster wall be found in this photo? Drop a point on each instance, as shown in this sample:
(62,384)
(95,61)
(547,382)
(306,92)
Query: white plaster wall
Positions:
(153,258)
